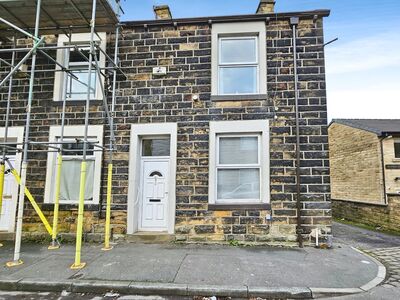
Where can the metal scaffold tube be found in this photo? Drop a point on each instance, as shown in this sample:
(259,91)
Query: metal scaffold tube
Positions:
(26,57)
(3,160)
(107,234)
(54,243)
(26,146)
(78,263)
(17,251)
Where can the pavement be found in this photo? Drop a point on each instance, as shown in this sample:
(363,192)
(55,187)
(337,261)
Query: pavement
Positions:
(363,238)
(383,247)
(194,270)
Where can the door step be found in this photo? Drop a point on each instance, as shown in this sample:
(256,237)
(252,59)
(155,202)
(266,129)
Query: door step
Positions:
(150,238)
(6,236)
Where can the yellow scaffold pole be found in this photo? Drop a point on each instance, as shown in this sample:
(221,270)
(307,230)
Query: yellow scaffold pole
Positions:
(78,264)
(2,170)
(107,246)
(54,244)
(33,203)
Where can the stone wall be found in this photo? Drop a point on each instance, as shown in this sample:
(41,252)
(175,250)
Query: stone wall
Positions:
(356,167)
(386,217)
(145,98)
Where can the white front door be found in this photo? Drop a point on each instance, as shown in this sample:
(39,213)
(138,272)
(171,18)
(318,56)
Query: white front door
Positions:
(154,194)
(9,192)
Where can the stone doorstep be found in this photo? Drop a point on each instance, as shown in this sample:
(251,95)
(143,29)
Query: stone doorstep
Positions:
(150,238)
(163,289)
(6,236)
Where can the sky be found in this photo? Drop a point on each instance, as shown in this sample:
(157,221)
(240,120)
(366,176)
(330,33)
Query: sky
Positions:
(362,67)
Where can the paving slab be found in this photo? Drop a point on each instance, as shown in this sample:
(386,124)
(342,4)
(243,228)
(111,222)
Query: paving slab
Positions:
(136,263)
(191,269)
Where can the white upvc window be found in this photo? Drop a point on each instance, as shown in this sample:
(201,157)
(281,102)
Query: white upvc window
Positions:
(72,155)
(239,162)
(78,65)
(397,148)
(239,59)
(238,69)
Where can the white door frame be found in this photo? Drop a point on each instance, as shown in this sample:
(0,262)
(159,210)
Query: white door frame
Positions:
(16,133)
(137,132)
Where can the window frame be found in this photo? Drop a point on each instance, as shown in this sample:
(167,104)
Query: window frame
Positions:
(78,39)
(239,30)
(70,132)
(255,64)
(259,128)
(219,166)
(395,141)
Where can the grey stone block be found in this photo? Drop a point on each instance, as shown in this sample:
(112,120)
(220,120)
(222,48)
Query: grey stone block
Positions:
(280,292)
(163,289)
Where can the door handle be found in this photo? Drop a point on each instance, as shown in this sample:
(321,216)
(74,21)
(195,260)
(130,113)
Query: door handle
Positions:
(155,200)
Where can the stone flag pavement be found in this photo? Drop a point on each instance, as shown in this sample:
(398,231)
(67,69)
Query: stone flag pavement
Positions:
(194,270)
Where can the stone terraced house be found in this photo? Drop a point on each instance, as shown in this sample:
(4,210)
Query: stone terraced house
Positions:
(205,129)
(365,171)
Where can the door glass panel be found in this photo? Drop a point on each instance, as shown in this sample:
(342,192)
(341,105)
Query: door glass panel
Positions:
(156,173)
(156,147)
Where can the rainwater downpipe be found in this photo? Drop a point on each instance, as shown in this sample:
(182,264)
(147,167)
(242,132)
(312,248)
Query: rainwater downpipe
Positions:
(294,21)
(383,169)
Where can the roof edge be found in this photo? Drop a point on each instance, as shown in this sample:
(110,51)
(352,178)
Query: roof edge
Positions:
(353,123)
(232,18)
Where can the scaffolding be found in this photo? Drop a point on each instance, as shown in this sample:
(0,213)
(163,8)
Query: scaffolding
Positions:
(18,18)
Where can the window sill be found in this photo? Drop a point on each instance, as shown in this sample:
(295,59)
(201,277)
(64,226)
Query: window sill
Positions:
(393,166)
(262,206)
(78,103)
(66,207)
(238,97)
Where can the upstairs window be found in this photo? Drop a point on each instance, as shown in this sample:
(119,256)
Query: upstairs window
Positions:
(238,65)
(239,60)
(79,67)
(397,148)
(77,62)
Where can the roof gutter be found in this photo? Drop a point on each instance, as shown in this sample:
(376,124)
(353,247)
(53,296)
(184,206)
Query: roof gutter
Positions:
(234,18)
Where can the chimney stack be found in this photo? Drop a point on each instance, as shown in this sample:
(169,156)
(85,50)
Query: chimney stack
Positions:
(162,12)
(266,7)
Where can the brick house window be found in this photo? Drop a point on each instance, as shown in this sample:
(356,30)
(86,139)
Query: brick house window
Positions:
(238,168)
(238,65)
(70,172)
(239,59)
(239,162)
(397,148)
(79,66)
(72,153)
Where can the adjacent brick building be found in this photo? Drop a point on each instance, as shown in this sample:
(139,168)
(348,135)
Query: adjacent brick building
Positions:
(205,130)
(365,171)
